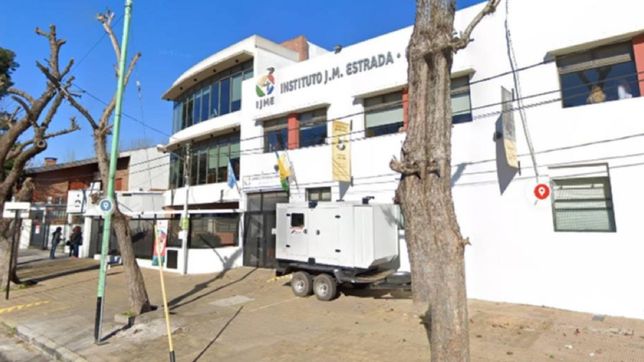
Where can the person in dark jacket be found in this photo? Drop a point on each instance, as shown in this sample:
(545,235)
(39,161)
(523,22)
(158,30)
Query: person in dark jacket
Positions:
(55,240)
(75,241)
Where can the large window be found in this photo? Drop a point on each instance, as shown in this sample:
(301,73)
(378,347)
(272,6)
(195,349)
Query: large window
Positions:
(383,114)
(460,95)
(313,127)
(276,135)
(599,75)
(208,162)
(213,97)
(318,194)
(214,231)
(583,204)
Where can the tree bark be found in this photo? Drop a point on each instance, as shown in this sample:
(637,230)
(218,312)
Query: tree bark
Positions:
(436,247)
(7,229)
(137,294)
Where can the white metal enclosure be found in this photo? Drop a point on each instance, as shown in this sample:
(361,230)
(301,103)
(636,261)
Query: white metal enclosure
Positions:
(338,233)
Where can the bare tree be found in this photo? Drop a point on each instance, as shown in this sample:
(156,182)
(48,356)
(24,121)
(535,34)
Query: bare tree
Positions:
(101,128)
(436,247)
(33,114)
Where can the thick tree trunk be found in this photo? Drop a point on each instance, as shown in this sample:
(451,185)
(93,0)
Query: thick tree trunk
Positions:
(137,294)
(7,228)
(436,248)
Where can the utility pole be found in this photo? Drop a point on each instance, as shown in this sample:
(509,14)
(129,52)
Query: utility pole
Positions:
(185,221)
(11,252)
(100,295)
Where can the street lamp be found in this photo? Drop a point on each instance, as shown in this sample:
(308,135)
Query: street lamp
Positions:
(184,224)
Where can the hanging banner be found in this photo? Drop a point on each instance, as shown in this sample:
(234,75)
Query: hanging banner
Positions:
(509,137)
(160,242)
(341,151)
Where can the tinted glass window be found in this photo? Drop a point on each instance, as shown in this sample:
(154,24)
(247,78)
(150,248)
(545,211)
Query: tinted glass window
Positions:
(599,75)
(383,114)
(214,100)
(297,220)
(196,110)
(313,127)
(235,104)
(311,135)
(214,231)
(205,104)
(460,98)
(224,96)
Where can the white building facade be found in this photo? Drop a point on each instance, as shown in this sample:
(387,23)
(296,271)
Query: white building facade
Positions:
(580,82)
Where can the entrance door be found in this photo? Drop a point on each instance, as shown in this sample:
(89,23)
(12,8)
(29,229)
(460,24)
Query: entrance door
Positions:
(38,231)
(259,222)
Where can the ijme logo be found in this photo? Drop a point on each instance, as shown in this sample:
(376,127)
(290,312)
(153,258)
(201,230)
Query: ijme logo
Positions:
(266,83)
(264,88)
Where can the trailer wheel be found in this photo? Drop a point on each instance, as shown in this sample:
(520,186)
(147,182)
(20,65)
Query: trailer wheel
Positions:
(325,287)
(302,284)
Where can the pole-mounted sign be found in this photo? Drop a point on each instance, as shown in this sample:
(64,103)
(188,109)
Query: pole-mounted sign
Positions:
(106,206)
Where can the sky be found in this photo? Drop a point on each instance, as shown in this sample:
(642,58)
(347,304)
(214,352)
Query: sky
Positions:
(172,36)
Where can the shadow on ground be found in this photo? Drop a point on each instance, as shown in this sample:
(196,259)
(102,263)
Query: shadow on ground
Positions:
(179,301)
(221,331)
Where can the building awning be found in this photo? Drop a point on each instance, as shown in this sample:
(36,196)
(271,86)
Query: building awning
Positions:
(403,83)
(575,48)
(206,69)
(202,131)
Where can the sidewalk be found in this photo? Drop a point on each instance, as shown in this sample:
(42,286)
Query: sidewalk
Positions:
(246,315)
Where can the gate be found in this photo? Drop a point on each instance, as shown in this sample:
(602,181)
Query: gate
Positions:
(259,221)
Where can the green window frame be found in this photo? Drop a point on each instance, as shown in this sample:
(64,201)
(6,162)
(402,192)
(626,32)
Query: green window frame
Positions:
(583,204)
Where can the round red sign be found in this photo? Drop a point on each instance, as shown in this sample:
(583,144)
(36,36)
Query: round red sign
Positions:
(542,191)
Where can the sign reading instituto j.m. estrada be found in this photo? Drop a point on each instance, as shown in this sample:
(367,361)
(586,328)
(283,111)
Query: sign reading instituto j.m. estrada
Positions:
(267,83)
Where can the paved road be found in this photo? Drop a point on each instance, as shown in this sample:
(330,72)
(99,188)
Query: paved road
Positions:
(14,350)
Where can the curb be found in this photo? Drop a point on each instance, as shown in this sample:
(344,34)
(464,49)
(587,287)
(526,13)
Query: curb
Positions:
(43,344)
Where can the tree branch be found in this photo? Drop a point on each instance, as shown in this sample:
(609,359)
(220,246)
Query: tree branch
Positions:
(82,110)
(68,67)
(69,97)
(461,41)
(106,19)
(73,127)
(52,110)
(25,106)
(18,149)
(21,93)
(107,112)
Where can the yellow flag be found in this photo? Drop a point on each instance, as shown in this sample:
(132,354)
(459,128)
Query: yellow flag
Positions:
(284,170)
(341,152)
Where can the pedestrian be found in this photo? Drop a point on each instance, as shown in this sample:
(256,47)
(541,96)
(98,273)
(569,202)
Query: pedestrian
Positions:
(55,240)
(75,241)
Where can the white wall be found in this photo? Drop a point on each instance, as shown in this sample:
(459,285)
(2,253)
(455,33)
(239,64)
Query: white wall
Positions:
(149,170)
(516,256)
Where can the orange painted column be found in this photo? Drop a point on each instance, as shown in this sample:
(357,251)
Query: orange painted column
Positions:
(638,51)
(293,125)
(405,104)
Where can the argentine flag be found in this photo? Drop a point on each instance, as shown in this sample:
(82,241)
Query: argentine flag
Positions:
(232,181)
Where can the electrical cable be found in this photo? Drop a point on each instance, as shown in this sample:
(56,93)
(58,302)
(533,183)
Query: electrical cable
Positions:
(517,87)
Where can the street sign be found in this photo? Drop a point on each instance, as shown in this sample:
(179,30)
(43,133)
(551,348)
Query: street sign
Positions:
(542,191)
(106,206)
(11,207)
(76,201)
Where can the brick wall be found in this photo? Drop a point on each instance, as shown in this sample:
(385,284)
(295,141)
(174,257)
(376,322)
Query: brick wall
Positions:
(300,45)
